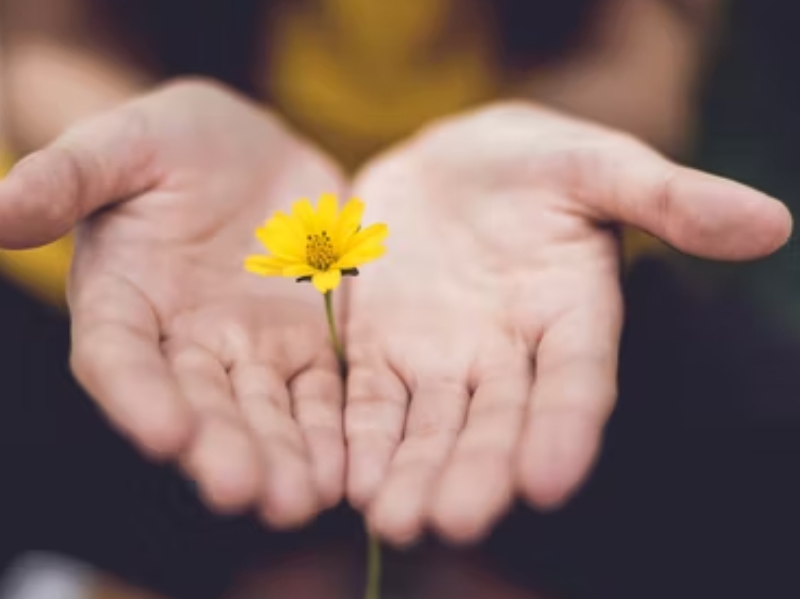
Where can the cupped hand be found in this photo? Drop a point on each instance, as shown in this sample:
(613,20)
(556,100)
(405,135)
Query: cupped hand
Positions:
(193,358)
(483,347)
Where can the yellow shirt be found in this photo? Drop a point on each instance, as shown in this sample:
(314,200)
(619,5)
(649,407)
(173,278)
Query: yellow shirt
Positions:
(356,75)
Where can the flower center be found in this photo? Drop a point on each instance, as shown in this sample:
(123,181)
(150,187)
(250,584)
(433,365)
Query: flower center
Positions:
(319,251)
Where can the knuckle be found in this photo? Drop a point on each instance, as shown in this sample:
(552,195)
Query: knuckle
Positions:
(82,162)
(71,171)
(663,196)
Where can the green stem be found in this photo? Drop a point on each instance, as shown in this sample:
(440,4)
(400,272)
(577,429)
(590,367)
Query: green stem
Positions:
(337,342)
(373,567)
(373,589)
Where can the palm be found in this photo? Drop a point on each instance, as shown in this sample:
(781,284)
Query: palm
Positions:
(190,355)
(483,347)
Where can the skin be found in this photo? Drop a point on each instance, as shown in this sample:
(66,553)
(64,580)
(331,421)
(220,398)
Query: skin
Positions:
(482,348)
(192,358)
(58,67)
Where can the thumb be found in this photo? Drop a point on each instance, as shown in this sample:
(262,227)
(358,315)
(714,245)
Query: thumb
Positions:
(96,163)
(697,213)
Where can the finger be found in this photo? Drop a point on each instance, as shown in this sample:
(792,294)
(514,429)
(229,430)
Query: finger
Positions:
(374,417)
(696,212)
(435,418)
(100,161)
(117,357)
(318,400)
(572,397)
(289,494)
(222,458)
(463,511)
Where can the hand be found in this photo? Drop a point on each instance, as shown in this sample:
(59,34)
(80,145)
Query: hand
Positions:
(483,347)
(189,355)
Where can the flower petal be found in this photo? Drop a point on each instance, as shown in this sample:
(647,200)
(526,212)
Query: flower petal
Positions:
(299,270)
(290,223)
(349,221)
(373,234)
(303,211)
(326,280)
(327,212)
(282,239)
(363,254)
(266,266)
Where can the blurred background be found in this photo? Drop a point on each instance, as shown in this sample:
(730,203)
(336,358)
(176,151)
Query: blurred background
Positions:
(695,493)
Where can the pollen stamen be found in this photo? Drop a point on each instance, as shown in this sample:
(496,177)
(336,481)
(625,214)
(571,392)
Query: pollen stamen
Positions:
(319,251)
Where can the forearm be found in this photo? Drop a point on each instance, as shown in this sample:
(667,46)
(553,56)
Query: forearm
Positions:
(50,87)
(637,71)
(56,71)
(53,72)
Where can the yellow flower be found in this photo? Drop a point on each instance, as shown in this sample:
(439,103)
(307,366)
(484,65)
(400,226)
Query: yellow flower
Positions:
(318,245)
